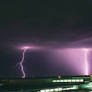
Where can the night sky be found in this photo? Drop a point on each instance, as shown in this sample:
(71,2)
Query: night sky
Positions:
(49,24)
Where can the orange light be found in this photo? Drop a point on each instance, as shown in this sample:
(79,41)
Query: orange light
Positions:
(59,77)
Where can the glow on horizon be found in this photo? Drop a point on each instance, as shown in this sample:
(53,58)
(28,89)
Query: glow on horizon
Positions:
(86,61)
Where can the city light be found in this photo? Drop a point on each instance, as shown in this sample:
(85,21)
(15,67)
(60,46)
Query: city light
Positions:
(75,87)
(70,80)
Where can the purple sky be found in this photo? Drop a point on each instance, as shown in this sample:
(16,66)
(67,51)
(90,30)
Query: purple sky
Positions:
(49,26)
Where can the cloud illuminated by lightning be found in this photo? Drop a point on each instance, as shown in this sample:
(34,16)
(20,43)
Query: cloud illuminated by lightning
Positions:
(84,57)
(76,57)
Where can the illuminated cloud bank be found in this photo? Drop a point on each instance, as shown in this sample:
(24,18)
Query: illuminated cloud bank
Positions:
(77,58)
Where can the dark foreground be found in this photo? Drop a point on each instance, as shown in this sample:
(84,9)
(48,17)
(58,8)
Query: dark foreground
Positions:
(52,84)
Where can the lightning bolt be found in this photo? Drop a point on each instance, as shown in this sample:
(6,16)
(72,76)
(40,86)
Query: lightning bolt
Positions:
(21,64)
(22,60)
(86,61)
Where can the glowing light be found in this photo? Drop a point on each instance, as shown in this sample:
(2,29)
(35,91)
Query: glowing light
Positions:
(86,61)
(69,80)
(59,77)
(26,47)
(87,86)
(75,87)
